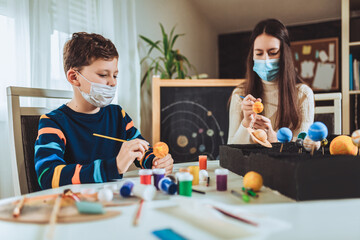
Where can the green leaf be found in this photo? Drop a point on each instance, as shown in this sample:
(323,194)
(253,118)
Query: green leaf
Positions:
(175,37)
(151,43)
(165,40)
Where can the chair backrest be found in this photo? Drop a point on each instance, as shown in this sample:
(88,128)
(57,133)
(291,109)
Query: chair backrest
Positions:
(328,111)
(23,130)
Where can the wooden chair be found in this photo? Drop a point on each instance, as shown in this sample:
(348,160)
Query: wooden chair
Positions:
(24,123)
(328,110)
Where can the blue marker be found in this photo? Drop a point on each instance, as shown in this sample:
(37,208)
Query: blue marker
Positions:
(242,97)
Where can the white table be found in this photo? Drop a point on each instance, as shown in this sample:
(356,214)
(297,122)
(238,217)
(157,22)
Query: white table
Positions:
(333,219)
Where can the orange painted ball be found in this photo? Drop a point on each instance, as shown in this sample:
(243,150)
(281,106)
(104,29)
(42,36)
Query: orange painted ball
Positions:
(253,180)
(258,107)
(343,145)
(160,149)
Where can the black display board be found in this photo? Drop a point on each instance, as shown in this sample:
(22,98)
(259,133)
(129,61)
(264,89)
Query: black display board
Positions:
(194,120)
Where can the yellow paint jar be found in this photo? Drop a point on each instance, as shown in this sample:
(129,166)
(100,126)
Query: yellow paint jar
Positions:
(194,170)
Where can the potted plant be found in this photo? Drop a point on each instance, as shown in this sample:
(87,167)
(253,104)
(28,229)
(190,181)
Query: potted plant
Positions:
(170,63)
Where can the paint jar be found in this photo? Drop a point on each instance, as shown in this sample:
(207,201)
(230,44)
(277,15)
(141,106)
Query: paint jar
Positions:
(158,174)
(167,186)
(126,188)
(145,176)
(194,170)
(203,162)
(221,179)
(185,184)
(146,192)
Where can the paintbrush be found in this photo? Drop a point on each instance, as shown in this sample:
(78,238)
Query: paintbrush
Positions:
(111,138)
(138,213)
(53,217)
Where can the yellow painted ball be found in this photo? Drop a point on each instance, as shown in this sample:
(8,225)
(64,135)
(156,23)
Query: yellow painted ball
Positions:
(343,145)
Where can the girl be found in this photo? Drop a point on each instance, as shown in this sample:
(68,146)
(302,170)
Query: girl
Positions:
(272,80)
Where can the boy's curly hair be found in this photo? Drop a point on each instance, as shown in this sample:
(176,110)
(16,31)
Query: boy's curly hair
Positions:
(84,48)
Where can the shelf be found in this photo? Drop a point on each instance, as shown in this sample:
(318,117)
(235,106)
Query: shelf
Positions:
(354,44)
(354,92)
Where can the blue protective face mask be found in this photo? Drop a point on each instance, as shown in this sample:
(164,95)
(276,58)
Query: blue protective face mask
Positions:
(267,69)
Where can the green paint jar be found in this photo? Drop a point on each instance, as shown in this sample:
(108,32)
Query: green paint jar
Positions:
(185,184)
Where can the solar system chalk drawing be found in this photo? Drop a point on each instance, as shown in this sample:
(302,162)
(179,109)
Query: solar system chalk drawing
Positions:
(194,121)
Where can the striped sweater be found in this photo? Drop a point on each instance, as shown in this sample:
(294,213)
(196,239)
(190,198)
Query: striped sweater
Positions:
(66,152)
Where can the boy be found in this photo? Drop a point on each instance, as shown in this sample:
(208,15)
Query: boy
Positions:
(66,152)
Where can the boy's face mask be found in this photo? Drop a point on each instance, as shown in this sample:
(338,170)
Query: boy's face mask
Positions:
(267,69)
(100,95)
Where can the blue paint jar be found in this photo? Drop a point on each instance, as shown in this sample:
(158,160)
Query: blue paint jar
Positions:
(125,190)
(167,186)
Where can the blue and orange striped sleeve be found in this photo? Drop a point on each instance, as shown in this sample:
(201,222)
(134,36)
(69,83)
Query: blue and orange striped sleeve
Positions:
(51,168)
(132,133)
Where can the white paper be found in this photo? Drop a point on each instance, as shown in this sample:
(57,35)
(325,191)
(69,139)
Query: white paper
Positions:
(323,56)
(331,52)
(307,69)
(324,75)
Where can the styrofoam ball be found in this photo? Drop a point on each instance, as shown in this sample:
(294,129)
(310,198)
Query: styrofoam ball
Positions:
(105,195)
(308,144)
(355,137)
(318,131)
(284,135)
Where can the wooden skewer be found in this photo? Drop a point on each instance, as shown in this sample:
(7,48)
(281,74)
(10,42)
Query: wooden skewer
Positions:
(281,148)
(111,138)
(138,213)
(53,217)
(19,206)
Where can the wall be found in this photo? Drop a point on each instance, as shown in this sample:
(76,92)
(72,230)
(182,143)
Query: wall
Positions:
(234,47)
(199,44)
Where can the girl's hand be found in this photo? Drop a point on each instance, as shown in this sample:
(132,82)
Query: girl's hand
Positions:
(261,122)
(129,151)
(247,108)
(165,162)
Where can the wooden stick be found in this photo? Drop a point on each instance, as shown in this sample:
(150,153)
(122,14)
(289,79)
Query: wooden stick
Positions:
(312,149)
(53,217)
(282,145)
(111,138)
(137,216)
(19,206)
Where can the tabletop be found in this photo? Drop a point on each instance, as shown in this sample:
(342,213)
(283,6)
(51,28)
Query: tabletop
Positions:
(278,217)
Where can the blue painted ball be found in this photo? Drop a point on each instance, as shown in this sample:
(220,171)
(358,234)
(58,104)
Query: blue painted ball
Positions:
(318,131)
(284,135)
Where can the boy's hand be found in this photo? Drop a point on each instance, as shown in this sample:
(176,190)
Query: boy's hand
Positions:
(165,162)
(131,150)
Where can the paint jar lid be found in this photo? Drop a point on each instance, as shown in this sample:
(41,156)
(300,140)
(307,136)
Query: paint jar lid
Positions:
(202,157)
(145,172)
(146,192)
(203,175)
(158,171)
(126,188)
(221,171)
(185,177)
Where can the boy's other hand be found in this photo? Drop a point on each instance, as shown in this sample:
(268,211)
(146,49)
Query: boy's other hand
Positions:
(134,149)
(166,162)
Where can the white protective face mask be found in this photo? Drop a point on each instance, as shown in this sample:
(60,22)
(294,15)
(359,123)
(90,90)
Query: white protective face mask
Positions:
(100,95)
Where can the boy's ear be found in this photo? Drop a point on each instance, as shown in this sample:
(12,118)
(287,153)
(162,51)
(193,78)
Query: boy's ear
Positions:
(72,77)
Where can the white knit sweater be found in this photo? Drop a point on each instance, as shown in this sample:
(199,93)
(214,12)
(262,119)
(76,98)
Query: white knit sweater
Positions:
(238,134)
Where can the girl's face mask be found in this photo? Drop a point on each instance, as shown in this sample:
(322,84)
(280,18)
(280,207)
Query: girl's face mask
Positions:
(267,69)
(100,95)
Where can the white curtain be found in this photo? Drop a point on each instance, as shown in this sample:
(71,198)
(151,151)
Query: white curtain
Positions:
(33,33)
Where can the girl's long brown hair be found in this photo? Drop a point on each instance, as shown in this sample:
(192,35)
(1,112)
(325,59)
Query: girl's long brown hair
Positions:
(288,114)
